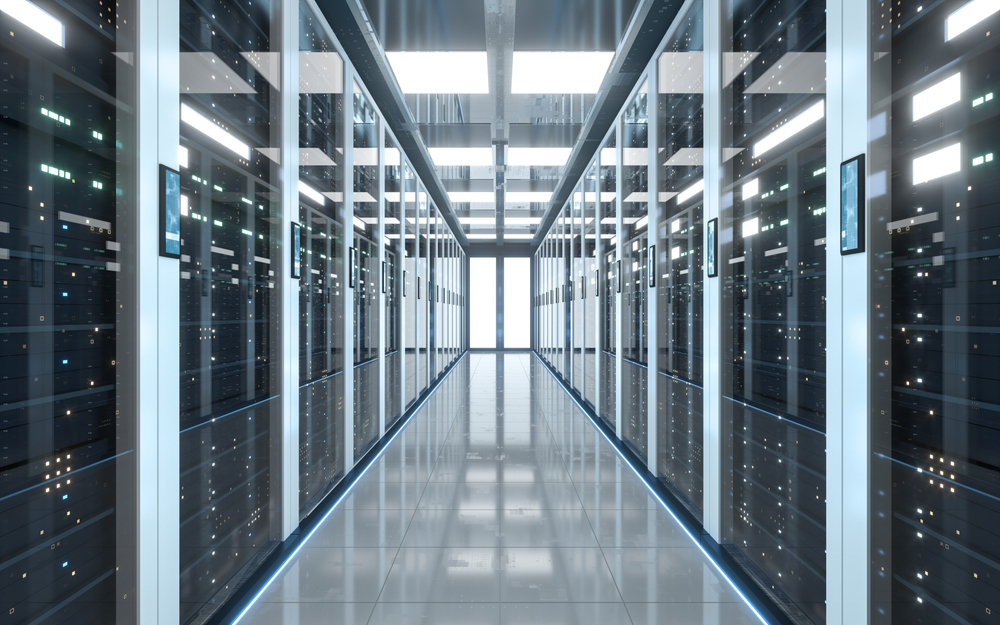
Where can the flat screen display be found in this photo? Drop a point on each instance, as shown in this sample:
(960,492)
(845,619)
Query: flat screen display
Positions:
(712,248)
(170,212)
(852,204)
(296,251)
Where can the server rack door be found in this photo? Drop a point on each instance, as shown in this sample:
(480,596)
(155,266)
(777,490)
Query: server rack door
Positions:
(679,285)
(774,319)
(607,184)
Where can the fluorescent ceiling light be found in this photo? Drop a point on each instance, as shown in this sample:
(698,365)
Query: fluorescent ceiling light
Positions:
(480,237)
(36,19)
(642,223)
(440,72)
(967,17)
(522,221)
(527,197)
(937,97)
(477,221)
(691,191)
(393,198)
(751,188)
(751,227)
(392,157)
(594,236)
(538,157)
(518,237)
(182,156)
(609,157)
(360,224)
(472,157)
(471,196)
(311,193)
(798,123)
(936,164)
(209,128)
(559,72)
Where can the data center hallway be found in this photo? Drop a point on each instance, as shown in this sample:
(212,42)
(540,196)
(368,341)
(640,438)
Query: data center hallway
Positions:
(499,503)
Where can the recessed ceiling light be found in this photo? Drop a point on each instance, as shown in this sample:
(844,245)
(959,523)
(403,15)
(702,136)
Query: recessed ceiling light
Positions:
(518,237)
(477,221)
(206,126)
(311,193)
(480,237)
(691,191)
(797,124)
(521,197)
(36,19)
(559,72)
(472,196)
(538,157)
(472,157)
(440,72)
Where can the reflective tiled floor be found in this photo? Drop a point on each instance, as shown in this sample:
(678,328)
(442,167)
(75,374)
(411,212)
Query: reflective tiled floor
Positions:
(499,503)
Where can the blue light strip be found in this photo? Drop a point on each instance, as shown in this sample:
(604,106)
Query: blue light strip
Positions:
(656,495)
(347,491)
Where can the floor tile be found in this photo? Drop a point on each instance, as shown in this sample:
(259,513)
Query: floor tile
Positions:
(454,528)
(651,527)
(547,528)
(332,574)
(692,614)
(268,613)
(558,574)
(436,614)
(668,575)
(362,527)
(451,574)
(564,614)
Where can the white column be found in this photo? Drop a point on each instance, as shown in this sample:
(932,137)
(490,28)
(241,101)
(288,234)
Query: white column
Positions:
(619,232)
(158,319)
(382,276)
(288,476)
(848,333)
(348,328)
(652,229)
(712,370)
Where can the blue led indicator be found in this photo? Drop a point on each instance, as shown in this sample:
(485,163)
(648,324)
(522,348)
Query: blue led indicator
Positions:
(65,294)
(65,227)
(65,564)
(65,496)
(65,362)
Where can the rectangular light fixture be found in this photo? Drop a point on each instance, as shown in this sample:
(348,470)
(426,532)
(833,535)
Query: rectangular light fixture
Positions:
(538,157)
(36,19)
(642,223)
(477,221)
(440,72)
(968,16)
(360,225)
(527,197)
(559,72)
(675,252)
(311,193)
(691,191)
(751,227)
(751,189)
(937,97)
(185,205)
(209,128)
(393,197)
(523,221)
(472,157)
(182,156)
(937,164)
(518,237)
(471,196)
(480,237)
(793,126)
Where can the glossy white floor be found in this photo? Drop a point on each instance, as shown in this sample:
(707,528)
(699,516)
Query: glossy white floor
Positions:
(499,503)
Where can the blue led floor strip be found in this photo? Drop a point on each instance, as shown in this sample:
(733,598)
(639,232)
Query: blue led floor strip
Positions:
(347,491)
(653,492)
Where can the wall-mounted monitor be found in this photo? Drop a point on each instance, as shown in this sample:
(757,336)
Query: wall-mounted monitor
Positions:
(170,212)
(651,265)
(352,261)
(296,251)
(852,205)
(712,248)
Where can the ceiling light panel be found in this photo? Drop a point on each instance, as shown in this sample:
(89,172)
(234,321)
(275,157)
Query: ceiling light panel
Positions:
(559,72)
(472,157)
(538,157)
(472,197)
(440,72)
(527,197)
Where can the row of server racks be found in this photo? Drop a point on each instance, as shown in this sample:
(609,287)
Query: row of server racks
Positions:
(364,303)
(830,419)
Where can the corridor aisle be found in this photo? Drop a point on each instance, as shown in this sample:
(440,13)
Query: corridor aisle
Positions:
(499,503)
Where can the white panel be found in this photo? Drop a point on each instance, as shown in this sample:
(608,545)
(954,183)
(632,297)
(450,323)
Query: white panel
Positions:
(516,303)
(483,302)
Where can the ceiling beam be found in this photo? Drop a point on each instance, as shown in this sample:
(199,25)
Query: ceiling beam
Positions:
(646,28)
(356,32)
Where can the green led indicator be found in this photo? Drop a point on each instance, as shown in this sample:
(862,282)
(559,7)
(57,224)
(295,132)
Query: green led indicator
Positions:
(821,170)
(55,171)
(783,187)
(246,201)
(784,222)
(217,187)
(56,117)
(218,223)
(98,185)
(982,99)
(98,136)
